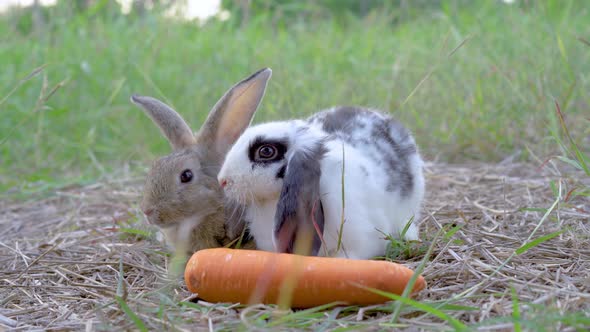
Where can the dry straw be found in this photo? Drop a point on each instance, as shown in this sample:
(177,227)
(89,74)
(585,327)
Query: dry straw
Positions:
(67,258)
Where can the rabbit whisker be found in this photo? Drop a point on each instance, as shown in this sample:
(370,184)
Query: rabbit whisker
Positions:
(234,210)
(251,205)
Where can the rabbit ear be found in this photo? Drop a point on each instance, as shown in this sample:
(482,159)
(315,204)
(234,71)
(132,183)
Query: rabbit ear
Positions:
(299,219)
(171,124)
(233,113)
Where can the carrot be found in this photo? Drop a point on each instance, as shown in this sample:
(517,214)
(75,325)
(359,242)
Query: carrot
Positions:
(252,276)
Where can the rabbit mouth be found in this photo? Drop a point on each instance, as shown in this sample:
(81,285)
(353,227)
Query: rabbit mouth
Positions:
(169,219)
(160,222)
(153,220)
(236,193)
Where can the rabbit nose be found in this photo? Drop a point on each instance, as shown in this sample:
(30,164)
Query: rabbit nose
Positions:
(223,183)
(148,211)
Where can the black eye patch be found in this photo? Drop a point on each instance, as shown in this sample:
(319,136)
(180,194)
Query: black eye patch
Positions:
(265,151)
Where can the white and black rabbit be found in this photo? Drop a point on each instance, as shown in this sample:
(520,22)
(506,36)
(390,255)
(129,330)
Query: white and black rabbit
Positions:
(290,175)
(181,194)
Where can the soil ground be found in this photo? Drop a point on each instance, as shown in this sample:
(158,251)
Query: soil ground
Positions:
(67,256)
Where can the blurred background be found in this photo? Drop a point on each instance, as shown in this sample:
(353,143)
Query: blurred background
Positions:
(474,80)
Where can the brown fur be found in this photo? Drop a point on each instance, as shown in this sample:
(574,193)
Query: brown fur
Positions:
(195,215)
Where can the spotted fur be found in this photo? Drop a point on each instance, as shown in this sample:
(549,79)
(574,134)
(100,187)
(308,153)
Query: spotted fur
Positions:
(383,182)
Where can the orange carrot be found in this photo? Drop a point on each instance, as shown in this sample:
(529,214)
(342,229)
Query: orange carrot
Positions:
(252,276)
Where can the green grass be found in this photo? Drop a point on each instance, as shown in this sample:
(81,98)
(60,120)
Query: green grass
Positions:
(472,81)
(479,81)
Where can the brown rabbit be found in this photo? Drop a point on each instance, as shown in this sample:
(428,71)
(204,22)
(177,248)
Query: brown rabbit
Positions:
(181,194)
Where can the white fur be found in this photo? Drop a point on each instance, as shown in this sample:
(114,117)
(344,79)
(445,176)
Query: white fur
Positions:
(179,234)
(369,208)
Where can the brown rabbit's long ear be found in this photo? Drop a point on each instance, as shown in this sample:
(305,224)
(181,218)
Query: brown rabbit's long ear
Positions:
(171,124)
(233,113)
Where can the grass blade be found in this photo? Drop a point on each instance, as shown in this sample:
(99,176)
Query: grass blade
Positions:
(574,146)
(461,44)
(537,241)
(456,307)
(561,47)
(454,229)
(420,306)
(571,162)
(515,310)
(343,202)
(133,316)
(584,41)
(303,313)
(406,227)
(32,74)
(398,306)
(135,231)
(431,71)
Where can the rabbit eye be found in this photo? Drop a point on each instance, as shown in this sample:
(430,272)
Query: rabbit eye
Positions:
(266,152)
(186,176)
